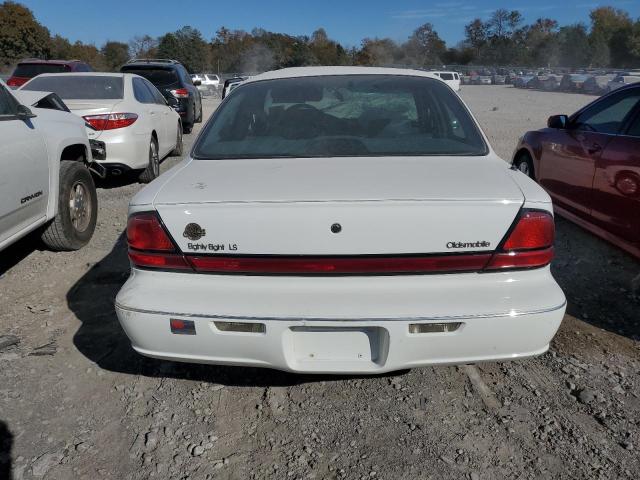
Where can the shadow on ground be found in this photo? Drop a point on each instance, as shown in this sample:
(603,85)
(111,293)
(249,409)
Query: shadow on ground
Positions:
(101,339)
(6,444)
(596,279)
(14,254)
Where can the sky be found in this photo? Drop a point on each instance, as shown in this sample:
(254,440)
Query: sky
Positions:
(348,21)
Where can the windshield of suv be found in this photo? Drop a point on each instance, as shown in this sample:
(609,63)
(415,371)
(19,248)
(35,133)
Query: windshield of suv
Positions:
(343,115)
(30,70)
(160,77)
(83,87)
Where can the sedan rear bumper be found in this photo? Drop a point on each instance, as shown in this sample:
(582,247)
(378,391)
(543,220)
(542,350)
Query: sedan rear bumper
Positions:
(346,335)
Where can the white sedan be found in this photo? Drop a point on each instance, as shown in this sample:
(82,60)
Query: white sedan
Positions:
(341,220)
(129,123)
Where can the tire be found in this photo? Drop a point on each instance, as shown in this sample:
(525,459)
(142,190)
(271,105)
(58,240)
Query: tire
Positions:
(524,163)
(199,119)
(153,169)
(73,226)
(177,152)
(187,127)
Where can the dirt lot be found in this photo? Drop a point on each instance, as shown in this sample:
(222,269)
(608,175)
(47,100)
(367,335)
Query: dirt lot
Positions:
(77,403)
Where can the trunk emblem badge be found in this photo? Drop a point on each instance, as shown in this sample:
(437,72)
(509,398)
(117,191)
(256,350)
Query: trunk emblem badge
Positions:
(336,228)
(193,231)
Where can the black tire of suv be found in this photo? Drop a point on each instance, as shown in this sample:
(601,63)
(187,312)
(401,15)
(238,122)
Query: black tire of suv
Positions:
(149,174)
(199,119)
(61,234)
(177,152)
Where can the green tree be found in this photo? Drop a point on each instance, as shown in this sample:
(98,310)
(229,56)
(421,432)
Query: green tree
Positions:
(20,34)
(187,46)
(115,54)
(574,46)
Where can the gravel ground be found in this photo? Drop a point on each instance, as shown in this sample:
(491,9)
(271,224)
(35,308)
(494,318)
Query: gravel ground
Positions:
(77,402)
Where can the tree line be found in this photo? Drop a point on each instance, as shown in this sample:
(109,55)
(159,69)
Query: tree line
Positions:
(610,40)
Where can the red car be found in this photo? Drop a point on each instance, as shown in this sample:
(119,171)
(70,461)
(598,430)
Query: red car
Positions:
(589,163)
(27,69)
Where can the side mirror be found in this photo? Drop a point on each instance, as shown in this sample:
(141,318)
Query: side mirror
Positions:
(558,121)
(197,83)
(172,101)
(23,112)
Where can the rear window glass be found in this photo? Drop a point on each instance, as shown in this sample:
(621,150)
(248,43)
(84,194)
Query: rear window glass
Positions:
(79,87)
(446,76)
(30,70)
(346,115)
(160,77)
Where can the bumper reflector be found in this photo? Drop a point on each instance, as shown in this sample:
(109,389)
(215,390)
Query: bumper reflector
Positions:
(434,327)
(182,327)
(244,327)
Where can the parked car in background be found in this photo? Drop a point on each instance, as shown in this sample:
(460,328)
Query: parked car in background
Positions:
(573,82)
(483,80)
(620,81)
(173,81)
(230,84)
(209,83)
(373,181)
(46,182)
(549,83)
(521,81)
(590,165)
(597,84)
(27,69)
(129,122)
(450,78)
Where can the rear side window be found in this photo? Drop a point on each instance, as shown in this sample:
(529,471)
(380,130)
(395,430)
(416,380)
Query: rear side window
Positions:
(160,77)
(446,76)
(345,115)
(142,92)
(608,115)
(80,87)
(30,70)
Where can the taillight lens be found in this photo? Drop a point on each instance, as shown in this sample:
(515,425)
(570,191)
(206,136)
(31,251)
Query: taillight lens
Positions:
(529,244)
(111,121)
(17,81)
(150,245)
(180,93)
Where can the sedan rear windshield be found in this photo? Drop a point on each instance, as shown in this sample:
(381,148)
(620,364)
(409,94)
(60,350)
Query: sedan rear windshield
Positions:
(30,70)
(160,77)
(342,115)
(84,87)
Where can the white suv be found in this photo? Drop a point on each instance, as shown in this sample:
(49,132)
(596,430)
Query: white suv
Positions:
(46,155)
(209,82)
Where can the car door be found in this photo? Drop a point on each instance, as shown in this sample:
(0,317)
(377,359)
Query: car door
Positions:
(169,120)
(569,155)
(616,185)
(150,108)
(24,167)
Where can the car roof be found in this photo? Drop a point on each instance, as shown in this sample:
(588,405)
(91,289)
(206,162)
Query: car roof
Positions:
(296,72)
(87,74)
(36,61)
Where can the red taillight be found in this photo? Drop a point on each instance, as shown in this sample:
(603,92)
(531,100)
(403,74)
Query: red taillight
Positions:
(340,265)
(17,81)
(180,93)
(111,121)
(149,244)
(529,245)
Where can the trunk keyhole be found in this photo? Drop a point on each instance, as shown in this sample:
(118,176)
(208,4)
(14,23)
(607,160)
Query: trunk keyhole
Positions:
(336,228)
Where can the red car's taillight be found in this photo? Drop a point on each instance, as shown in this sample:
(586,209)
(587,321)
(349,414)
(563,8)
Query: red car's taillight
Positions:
(17,81)
(528,245)
(111,121)
(150,245)
(180,93)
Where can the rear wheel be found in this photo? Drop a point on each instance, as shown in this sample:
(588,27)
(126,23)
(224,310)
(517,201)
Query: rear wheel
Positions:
(524,163)
(199,119)
(73,226)
(153,169)
(177,152)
